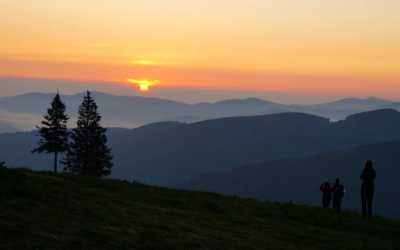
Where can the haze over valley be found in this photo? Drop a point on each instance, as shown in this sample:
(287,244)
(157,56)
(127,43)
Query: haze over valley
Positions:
(24,112)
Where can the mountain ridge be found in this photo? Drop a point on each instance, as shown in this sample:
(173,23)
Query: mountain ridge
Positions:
(134,111)
(154,152)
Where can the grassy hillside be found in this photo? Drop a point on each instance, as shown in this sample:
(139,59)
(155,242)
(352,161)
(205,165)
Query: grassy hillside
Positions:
(46,211)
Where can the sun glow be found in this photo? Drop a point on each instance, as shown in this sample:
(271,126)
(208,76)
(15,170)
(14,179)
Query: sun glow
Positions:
(143,62)
(143,85)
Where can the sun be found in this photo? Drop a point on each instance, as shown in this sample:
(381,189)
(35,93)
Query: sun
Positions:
(143,85)
(143,62)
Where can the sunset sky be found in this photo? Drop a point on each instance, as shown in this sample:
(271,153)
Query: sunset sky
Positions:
(343,47)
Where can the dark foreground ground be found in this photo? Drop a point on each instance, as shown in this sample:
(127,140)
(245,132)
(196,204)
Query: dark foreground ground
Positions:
(47,211)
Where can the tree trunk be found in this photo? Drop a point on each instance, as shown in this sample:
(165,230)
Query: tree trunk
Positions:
(55,162)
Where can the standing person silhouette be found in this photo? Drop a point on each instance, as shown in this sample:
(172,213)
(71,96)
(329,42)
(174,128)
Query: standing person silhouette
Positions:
(338,194)
(326,194)
(368,176)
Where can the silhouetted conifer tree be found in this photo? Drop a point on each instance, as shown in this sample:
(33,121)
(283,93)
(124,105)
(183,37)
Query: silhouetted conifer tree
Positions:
(53,132)
(3,164)
(88,153)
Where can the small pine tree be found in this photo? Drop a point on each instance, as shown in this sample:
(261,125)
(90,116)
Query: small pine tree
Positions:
(3,164)
(88,153)
(54,132)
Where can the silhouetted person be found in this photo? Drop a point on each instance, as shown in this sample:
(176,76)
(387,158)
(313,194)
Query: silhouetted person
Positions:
(338,194)
(326,194)
(367,188)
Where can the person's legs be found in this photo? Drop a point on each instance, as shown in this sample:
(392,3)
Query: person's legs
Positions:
(370,199)
(336,204)
(339,206)
(364,202)
(325,201)
(369,207)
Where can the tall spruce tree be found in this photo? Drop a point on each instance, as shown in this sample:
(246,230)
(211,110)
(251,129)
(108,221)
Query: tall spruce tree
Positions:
(88,153)
(54,132)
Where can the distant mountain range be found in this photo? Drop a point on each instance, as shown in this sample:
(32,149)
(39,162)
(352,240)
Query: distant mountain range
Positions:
(25,111)
(340,109)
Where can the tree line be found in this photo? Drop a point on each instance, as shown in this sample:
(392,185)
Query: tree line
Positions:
(84,147)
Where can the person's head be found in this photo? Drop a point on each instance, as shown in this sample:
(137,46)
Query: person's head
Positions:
(369,164)
(337,180)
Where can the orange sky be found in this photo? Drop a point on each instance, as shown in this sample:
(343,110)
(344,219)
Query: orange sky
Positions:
(309,45)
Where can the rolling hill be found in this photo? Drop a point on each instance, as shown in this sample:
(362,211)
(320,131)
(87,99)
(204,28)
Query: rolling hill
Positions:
(47,211)
(172,153)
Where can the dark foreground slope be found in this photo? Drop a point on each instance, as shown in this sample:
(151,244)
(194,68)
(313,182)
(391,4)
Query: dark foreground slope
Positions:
(45,211)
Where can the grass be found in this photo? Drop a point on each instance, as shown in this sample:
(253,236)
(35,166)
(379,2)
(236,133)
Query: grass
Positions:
(46,211)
